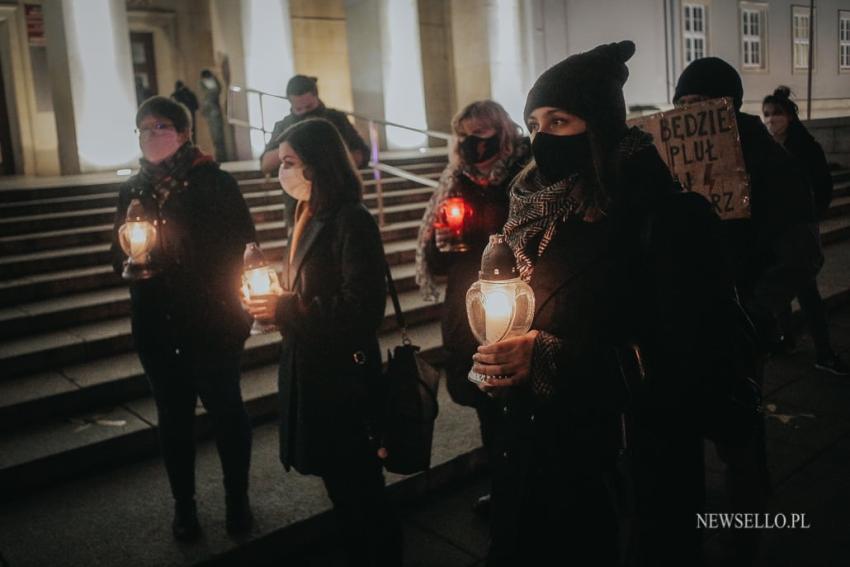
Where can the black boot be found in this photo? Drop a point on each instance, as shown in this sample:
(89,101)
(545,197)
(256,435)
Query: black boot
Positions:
(240,520)
(185,526)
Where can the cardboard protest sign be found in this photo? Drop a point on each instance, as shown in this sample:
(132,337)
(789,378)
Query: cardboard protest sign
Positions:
(701,145)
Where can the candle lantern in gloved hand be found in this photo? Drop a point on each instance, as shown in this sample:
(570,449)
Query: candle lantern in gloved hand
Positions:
(499,305)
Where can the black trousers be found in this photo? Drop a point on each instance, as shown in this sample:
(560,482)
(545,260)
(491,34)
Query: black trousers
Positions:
(367,522)
(177,380)
(811,304)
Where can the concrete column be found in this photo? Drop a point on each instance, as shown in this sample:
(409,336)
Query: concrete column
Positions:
(269,61)
(226,23)
(386,66)
(510,60)
(88,50)
(470,51)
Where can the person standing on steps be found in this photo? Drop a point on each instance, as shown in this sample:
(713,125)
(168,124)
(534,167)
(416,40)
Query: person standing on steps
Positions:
(487,151)
(331,387)
(783,122)
(211,109)
(189,327)
(187,98)
(303,94)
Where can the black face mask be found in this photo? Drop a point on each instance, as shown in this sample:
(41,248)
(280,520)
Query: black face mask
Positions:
(558,157)
(475,149)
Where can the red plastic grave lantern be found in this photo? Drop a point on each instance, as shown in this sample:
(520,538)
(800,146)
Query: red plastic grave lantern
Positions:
(455,214)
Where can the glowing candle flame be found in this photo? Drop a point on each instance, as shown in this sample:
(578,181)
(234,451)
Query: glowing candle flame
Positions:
(499,310)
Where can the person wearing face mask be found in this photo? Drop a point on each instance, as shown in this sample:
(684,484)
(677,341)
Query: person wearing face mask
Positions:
(783,123)
(331,389)
(303,94)
(211,109)
(188,324)
(574,226)
(487,152)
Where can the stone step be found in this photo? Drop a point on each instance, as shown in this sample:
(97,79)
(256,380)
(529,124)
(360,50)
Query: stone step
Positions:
(124,516)
(835,230)
(839,207)
(264,216)
(59,448)
(64,346)
(25,319)
(255,192)
(395,192)
(24,265)
(110,380)
(59,187)
(48,285)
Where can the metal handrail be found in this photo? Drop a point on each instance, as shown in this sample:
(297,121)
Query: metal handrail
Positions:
(432,133)
(374,141)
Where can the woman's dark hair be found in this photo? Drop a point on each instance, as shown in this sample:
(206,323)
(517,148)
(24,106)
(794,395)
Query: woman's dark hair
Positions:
(327,163)
(781,97)
(165,107)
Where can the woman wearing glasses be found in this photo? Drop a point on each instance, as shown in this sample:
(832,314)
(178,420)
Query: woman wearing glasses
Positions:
(188,324)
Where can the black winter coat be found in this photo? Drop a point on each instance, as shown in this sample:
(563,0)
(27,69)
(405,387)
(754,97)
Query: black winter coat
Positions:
(559,455)
(811,161)
(780,200)
(193,304)
(349,134)
(330,385)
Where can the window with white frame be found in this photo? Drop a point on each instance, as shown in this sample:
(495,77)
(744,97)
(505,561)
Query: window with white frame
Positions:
(800,36)
(844,40)
(694,24)
(753,36)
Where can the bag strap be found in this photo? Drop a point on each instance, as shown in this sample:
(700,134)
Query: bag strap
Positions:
(399,314)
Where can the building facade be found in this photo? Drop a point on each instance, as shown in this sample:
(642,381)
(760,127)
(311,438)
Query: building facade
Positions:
(73,71)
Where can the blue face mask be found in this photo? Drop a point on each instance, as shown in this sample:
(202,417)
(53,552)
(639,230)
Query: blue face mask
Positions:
(558,157)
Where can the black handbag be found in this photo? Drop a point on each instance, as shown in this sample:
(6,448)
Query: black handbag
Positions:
(411,401)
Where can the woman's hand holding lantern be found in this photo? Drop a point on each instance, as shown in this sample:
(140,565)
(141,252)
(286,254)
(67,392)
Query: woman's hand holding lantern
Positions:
(505,363)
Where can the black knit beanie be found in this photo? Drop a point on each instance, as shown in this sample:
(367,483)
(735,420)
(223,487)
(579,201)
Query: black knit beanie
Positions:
(710,77)
(589,84)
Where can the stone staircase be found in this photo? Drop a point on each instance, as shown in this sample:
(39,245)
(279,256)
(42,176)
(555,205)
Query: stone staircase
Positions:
(73,396)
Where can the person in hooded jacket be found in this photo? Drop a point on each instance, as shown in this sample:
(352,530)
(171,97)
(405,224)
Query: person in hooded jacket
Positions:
(188,325)
(487,152)
(574,226)
(783,122)
(331,388)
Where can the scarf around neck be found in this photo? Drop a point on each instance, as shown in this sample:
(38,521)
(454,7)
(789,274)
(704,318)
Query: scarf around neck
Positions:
(171,174)
(537,209)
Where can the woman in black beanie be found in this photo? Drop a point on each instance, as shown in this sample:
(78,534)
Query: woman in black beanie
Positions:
(576,214)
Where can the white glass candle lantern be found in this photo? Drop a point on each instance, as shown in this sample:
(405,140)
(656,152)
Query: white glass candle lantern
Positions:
(137,237)
(499,305)
(259,279)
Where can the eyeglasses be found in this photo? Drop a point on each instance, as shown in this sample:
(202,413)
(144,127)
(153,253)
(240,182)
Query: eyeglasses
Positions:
(156,128)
